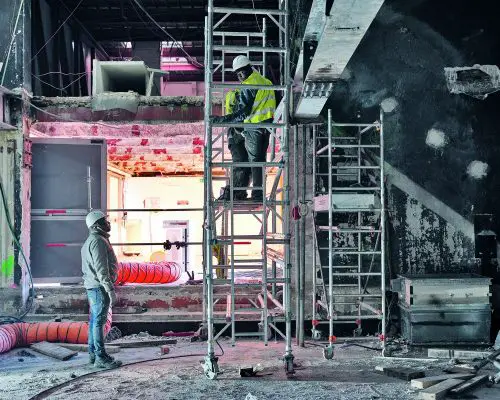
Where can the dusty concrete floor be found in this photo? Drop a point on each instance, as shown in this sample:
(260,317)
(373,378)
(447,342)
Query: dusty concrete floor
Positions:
(349,376)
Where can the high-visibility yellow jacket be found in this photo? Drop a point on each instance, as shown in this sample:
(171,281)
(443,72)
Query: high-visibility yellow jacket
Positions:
(230,101)
(251,105)
(264,104)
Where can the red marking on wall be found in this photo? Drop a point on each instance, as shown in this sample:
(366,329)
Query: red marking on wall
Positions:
(135,130)
(124,157)
(112,150)
(113,142)
(184,302)
(128,150)
(197,141)
(160,151)
(197,150)
(144,142)
(94,130)
(141,158)
(52,129)
(182,202)
(170,158)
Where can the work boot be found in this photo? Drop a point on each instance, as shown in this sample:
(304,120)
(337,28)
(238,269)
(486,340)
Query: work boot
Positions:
(107,362)
(91,358)
(226,194)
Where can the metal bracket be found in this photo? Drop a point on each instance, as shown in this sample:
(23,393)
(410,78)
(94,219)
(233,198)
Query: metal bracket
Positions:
(211,367)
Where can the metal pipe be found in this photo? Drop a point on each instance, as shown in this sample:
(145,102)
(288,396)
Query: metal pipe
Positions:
(89,188)
(303,240)
(153,209)
(296,231)
(286,180)
(330,232)
(208,176)
(314,278)
(382,226)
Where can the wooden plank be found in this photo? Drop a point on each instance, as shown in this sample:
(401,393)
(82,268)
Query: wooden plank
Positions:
(423,383)
(53,350)
(144,343)
(406,374)
(470,384)
(84,348)
(439,391)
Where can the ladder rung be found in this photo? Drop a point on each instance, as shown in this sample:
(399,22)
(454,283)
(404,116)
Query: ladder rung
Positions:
(247,164)
(336,229)
(357,294)
(350,210)
(238,34)
(241,49)
(240,86)
(250,260)
(248,334)
(354,189)
(238,266)
(356,274)
(251,11)
(218,62)
(355,318)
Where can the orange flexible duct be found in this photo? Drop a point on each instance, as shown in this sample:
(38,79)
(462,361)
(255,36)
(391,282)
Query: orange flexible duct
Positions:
(148,272)
(22,334)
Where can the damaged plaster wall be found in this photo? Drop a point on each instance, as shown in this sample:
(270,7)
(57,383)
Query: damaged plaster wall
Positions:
(447,144)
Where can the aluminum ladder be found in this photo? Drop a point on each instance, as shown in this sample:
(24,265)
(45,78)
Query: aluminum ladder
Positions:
(222,227)
(348,171)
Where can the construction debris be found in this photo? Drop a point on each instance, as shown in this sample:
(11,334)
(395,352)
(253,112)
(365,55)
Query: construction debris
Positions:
(164,350)
(470,384)
(406,374)
(424,383)
(439,391)
(458,354)
(53,350)
(477,81)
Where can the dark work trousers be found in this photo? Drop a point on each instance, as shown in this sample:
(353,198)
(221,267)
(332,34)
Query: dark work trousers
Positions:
(99,303)
(241,176)
(256,144)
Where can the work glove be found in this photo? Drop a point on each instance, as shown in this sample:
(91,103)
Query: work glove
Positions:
(112,298)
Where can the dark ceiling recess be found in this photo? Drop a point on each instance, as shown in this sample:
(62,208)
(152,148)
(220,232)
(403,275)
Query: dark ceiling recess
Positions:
(123,20)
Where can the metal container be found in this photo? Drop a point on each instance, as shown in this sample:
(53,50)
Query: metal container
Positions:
(467,324)
(440,309)
(444,289)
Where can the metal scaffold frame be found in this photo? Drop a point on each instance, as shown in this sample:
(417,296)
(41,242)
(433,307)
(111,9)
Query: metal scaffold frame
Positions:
(358,195)
(221,226)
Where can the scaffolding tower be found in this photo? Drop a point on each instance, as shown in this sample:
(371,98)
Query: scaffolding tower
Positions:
(349,278)
(223,231)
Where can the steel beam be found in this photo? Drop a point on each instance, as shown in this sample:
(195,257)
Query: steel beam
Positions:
(343,31)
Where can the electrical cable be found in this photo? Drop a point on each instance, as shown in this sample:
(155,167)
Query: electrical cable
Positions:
(179,45)
(57,30)
(60,88)
(47,392)
(31,293)
(13,37)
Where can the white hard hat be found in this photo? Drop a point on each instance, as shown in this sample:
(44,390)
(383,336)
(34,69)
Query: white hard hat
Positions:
(94,216)
(240,62)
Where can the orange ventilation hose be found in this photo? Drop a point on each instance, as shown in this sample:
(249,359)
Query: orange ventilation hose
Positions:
(150,272)
(22,334)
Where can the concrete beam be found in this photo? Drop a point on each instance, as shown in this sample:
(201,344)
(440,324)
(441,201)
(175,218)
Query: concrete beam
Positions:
(343,31)
(477,81)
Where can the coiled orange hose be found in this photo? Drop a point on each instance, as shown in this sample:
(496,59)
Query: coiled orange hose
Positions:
(148,272)
(22,334)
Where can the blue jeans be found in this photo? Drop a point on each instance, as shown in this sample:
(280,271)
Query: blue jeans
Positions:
(99,304)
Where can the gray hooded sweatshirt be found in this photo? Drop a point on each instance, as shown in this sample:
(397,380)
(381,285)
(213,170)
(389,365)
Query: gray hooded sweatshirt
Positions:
(99,264)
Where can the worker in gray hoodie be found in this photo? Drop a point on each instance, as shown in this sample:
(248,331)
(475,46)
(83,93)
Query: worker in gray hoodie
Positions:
(99,274)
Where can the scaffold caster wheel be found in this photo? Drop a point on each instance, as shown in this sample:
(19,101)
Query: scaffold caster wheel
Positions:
(316,334)
(211,367)
(288,361)
(386,352)
(328,352)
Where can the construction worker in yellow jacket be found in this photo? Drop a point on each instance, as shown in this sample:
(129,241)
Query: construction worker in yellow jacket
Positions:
(251,106)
